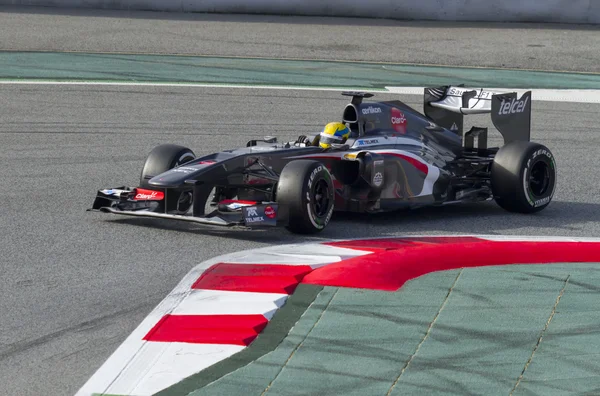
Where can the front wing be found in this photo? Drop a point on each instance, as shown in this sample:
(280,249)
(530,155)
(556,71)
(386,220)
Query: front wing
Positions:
(137,202)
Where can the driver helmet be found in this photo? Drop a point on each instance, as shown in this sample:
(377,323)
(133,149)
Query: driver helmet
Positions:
(333,133)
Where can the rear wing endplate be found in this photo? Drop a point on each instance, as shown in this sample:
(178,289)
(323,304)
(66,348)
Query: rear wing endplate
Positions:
(447,106)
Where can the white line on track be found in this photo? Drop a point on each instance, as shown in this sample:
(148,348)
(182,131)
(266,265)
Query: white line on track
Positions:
(547,95)
(193,85)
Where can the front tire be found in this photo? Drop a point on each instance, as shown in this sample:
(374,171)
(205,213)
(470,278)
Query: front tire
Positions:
(523,177)
(306,188)
(161,159)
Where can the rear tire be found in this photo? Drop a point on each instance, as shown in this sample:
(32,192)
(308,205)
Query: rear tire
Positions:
(161,159)
(306,188)
(523,177)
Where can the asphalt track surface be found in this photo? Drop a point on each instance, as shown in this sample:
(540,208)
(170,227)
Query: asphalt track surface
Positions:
(75,284)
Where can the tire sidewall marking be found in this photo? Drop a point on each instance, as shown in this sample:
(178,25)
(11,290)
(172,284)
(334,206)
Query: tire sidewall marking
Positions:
(540,154)
(319,224)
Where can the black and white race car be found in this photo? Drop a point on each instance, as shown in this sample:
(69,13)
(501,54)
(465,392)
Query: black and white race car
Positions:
(395,158)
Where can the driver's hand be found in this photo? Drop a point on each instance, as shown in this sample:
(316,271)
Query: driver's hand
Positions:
(303,139)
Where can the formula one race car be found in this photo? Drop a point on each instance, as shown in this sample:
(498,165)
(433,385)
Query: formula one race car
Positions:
(394,157)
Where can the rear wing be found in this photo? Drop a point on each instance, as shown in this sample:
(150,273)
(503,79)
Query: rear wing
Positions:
(447,106)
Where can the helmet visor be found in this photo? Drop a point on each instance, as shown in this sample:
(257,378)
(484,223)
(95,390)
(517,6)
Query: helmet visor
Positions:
(328,139)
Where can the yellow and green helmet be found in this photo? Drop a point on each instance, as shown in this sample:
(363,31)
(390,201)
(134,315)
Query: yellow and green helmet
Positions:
(333,133)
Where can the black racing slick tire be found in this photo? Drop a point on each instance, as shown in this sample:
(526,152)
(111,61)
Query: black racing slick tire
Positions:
(161,159)
(523,177)
(305,187)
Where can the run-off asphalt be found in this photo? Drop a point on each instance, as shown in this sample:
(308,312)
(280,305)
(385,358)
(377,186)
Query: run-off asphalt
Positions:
(75,284)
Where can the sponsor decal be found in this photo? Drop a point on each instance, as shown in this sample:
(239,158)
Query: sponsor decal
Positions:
(528,194)
(185,169)
(378,162)
(234,204)
(378,179)
(433,126)
(311,216)
(252,216)
(264,215)
(454,127)
(371,110)
(328,218)
(317,222)
(270,212)
(237,201)
(526,184)
(258,219)
(262,148)
(237,205)
(367,142)
(313,174)
(542,152)
(207,162)
(479,93)
(513,107)
(541,202)
(398,120)
(113,191)
(252,212)
(456,91)
(149,195)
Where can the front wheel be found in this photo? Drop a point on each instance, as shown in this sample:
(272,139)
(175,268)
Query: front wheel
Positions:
(161,159)
(306,188)
(523,177)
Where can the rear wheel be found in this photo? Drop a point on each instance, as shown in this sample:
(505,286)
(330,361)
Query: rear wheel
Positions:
(306,188)
(161,159)
(523,177)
